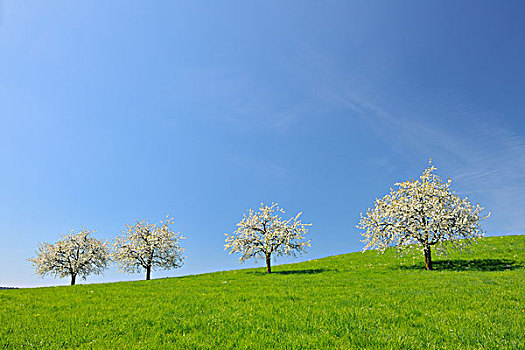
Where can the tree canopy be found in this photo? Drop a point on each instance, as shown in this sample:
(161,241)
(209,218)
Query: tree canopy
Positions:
(261,234)
(420,214)
(148,246)
(76,254)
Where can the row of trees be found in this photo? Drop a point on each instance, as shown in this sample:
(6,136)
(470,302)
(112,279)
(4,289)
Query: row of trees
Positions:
(144,246)
(141,246)
(416,216)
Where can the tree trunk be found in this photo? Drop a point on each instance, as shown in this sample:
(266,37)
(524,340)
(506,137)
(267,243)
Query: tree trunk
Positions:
(268,266)
(428,258)
(73,279)
(148,273)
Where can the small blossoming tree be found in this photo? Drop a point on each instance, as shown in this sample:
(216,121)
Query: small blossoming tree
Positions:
(263,233)
(148,246)
(76,254)
(420,214)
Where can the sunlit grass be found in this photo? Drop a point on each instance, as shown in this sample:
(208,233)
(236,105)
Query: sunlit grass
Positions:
(355,300)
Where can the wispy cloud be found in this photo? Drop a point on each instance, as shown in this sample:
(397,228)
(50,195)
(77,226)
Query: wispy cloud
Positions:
(482,155)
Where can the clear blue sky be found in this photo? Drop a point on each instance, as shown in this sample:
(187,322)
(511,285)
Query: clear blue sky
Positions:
(112,111)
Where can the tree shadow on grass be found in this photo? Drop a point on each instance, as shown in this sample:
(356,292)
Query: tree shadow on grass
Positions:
(292,272)
(468,265)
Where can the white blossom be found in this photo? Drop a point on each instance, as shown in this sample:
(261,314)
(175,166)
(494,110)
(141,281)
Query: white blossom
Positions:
(76,254)
(420,214)
(148,246)
(263,233)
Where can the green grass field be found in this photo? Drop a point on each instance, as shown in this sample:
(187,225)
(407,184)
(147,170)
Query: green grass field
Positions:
(472,301)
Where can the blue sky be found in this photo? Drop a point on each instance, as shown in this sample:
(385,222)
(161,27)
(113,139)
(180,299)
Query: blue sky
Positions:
(123,110)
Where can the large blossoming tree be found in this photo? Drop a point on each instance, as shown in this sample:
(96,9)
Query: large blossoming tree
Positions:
(261,234)
(420,214)
(76,254)
(148,246)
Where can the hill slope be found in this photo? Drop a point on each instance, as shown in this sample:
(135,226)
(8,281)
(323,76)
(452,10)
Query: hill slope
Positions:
(354,300)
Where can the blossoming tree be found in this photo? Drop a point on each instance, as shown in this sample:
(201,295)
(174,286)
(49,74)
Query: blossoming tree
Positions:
(420,214)
(148,246)
(76,254)
(263,233)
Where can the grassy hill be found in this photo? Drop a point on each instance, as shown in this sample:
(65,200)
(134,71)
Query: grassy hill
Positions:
(347,301)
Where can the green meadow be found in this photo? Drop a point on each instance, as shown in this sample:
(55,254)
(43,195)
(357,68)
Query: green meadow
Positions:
(360,300)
